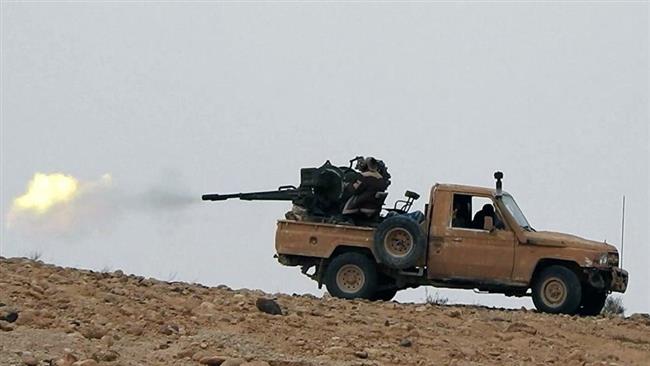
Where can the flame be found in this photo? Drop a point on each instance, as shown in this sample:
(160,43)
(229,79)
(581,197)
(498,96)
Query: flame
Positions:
(45,191)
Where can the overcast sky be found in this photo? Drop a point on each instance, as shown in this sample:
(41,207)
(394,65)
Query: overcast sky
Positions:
(188,98)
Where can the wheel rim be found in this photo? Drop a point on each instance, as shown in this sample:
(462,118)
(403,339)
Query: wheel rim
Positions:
(398,242)
(350,279)
(554,292)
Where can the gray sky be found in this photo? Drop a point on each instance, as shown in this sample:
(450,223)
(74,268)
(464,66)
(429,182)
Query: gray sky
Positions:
(192,98)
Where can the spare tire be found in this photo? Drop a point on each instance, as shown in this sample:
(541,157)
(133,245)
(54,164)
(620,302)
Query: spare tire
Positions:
(399,242)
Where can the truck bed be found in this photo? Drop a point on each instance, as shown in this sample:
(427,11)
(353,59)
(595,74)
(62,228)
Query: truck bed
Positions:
(319,240)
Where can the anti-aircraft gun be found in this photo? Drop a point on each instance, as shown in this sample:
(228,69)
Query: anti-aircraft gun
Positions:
(322,191)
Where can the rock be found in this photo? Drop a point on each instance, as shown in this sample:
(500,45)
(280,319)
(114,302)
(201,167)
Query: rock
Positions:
(233,362)
(169,329)
(6,326)
(454,314)
(67,360)
(405,342)
(206,308)
(87,362)
(135,329)
(8,315)
(505,337)
(92,332)
(255,363)
(468,352)
(107,341)
(212,360)
(315,312)
(189,352)
(29,359)
(26,317)
(106,355)
(361,354)
(268,306)
(576,355)
(521,327)
(641,318)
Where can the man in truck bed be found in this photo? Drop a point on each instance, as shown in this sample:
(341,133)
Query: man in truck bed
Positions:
(365,199)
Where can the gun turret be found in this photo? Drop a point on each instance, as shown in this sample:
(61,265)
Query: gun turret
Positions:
(322,191)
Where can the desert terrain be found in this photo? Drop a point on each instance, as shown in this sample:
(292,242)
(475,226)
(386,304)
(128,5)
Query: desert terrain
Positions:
(64,316)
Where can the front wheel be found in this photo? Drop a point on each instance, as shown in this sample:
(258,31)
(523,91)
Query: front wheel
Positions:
(350,276)
(557,290)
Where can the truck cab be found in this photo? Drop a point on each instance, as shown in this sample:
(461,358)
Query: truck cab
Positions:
(471,238)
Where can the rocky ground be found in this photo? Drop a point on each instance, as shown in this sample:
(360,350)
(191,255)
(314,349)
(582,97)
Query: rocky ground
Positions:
(63,316)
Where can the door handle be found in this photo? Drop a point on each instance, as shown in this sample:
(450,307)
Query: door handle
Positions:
(457,239)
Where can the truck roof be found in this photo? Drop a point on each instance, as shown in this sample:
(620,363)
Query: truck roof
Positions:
(466,189)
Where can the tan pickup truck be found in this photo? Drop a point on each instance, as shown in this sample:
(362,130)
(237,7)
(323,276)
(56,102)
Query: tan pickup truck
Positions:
(500,254)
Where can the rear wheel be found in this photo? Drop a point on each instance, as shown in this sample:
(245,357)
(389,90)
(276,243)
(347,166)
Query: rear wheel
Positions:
(557,289)
(592,302)
(351,275)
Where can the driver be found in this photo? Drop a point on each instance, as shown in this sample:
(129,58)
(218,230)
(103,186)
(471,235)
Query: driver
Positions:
(486,211)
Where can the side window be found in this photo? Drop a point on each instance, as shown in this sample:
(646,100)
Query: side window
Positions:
(469,212)
(461,211)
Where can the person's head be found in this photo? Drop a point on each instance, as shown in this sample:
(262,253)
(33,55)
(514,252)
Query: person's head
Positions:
(361,165)
(488,209)
(371,163)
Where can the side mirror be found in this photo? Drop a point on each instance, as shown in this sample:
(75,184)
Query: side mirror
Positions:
(488,224)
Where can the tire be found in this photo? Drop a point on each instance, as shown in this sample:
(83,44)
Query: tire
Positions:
(592,302)
(399,242)
(557,290)
(351,276)
(384,295)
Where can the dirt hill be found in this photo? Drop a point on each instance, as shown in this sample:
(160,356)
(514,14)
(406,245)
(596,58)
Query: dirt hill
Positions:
(61,316)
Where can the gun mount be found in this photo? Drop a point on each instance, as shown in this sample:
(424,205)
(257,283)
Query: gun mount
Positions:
(322,191)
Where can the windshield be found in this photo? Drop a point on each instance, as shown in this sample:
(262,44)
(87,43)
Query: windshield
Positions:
(514,210)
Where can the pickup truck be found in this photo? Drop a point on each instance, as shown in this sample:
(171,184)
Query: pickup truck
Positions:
(501,254)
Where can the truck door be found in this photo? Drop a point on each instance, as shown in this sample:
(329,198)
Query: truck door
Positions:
(466,250)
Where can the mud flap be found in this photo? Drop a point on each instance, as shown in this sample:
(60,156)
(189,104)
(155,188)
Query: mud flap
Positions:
(320,273)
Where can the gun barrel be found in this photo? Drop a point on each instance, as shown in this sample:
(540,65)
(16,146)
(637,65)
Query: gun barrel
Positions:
(279,195)
(218,197)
